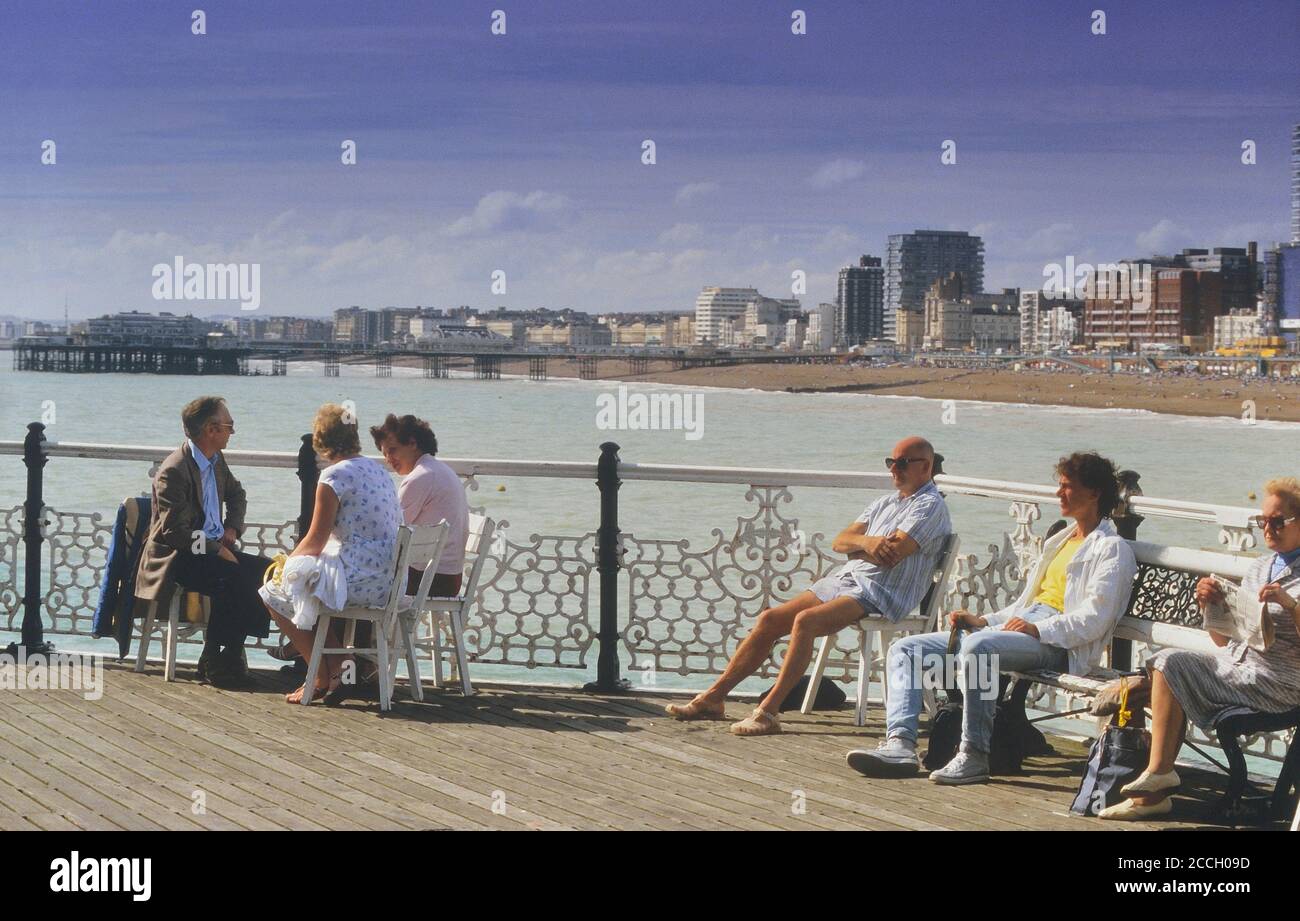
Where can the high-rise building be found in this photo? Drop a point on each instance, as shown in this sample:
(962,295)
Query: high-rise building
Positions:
(1295,184)
(715,307)
(917,260)
(1288,287)
(860,302)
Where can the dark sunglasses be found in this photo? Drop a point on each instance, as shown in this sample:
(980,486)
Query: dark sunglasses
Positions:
(1276,522)
(902,462)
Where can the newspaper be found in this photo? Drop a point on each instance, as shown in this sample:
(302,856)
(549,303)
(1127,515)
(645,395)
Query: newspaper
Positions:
(1239,617)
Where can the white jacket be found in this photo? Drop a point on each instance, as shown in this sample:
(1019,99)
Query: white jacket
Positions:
(311,581)
(1098,581)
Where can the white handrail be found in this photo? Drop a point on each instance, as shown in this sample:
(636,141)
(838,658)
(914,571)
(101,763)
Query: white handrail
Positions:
(1224,515)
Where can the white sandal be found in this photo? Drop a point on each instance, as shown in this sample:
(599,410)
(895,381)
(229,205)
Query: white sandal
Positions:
(1152,783)
(1130,811)
(758,723)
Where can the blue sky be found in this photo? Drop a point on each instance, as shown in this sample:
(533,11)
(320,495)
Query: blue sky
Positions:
(522,152)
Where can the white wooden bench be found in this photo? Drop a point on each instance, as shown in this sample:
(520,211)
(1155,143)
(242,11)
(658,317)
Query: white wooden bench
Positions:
(1162,613)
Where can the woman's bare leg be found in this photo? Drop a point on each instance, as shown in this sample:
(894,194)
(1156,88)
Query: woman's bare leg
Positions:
(1168,727)
(302,641)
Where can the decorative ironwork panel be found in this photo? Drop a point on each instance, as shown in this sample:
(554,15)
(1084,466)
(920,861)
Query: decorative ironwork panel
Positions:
(533,599)
(688,610)
(76,544)
(11,537)
(1166,596)
(984,588)
(534,602)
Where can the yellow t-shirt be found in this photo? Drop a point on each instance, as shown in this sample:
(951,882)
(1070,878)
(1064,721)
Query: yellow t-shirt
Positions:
(1052,589)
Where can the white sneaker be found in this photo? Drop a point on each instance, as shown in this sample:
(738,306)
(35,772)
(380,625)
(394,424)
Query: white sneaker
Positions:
(894,757)
(964,768)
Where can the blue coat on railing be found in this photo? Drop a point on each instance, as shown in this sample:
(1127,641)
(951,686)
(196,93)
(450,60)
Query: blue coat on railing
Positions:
(117,590)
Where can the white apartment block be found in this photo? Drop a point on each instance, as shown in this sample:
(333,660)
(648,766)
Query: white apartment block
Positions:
(720,312)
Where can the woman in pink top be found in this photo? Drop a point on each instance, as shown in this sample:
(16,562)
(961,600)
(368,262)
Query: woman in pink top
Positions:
(430,492)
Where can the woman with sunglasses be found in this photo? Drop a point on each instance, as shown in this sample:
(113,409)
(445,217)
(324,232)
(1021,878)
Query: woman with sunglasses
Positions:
(1207,686)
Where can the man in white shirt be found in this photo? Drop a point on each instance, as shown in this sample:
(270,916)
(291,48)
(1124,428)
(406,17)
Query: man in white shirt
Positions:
(430,492)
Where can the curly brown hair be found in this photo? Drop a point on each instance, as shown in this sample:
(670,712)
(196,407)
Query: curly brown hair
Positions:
(406,429)
(1094,472)
(334,432)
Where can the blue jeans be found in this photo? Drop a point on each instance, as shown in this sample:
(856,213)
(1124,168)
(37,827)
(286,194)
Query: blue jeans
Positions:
(980,660)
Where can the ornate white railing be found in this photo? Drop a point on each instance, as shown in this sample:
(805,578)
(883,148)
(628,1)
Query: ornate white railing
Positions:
(681,609)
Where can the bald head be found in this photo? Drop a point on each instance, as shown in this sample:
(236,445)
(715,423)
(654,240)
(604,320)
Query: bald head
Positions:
(913,464)
(914,446)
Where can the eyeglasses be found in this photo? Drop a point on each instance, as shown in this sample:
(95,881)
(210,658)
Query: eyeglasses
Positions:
(1275,522)
(226,425)
(902,462)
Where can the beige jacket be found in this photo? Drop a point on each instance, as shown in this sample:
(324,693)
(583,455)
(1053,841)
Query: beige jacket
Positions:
(177,514)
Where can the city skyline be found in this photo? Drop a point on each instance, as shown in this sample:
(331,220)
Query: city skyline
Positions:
(522,152)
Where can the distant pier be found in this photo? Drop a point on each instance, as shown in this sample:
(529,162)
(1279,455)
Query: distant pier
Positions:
(485,364)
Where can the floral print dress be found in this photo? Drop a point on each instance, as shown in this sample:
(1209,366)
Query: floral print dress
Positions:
(364,536)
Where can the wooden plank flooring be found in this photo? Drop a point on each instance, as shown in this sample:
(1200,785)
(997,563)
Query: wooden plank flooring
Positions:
(153,755)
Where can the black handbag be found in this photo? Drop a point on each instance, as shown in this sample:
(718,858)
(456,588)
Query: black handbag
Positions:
(1118,757)
(945,733)
(1014,738)
(830,696)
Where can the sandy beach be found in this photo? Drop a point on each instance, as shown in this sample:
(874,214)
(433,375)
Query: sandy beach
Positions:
(1274,400)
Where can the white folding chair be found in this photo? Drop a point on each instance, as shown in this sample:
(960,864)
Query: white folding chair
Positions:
(381,619)
(925,619)
(427,543)
(175,629)
(454,611)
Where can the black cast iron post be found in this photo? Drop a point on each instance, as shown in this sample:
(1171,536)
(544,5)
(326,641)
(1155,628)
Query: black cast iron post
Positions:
(1126,523)
(35,458)
(608,565)
(308,476)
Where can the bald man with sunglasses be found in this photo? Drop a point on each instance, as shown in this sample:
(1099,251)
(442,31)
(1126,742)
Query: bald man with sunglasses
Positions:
(892,549)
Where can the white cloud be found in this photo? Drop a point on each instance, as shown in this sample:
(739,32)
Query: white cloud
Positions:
(680,234)
(1055,239)
(837,172)
(693,190)
(1164,238)
(507,211)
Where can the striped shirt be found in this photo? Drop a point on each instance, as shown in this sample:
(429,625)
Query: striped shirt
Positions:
(922,516)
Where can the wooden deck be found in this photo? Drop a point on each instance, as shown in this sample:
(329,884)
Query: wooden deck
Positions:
(147,754)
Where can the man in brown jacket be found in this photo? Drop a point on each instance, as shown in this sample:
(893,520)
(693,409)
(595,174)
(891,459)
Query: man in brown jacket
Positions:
(190,542)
